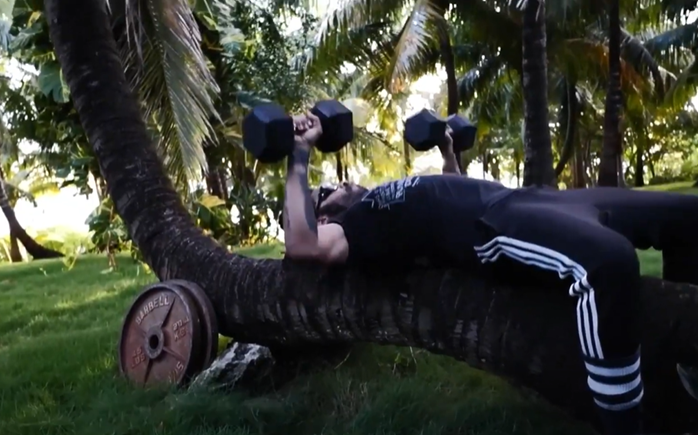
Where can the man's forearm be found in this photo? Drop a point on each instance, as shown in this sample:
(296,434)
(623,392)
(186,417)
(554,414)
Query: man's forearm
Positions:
(450,164)
(300,224)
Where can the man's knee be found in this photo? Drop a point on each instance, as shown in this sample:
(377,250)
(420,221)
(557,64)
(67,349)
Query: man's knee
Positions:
(617,265)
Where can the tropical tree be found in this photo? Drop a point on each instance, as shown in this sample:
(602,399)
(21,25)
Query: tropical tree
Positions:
(258,301)
(538,155)
(610,166)
(17,169)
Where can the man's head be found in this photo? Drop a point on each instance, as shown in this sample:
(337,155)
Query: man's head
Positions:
(330,202)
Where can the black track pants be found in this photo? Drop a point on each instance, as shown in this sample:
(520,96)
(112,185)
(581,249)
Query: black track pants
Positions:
(589,237)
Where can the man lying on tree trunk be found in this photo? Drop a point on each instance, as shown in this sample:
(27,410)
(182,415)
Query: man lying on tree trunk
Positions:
(586,238)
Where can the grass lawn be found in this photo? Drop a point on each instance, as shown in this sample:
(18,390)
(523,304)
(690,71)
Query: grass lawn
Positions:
(58,334)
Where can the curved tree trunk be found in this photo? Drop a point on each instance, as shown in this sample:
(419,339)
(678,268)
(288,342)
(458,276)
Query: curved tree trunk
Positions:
(640,144)
(528,335)
(570,108)
(612,146)
(34,249)
(451,81)
(538,153)
(216,183)
(15,253)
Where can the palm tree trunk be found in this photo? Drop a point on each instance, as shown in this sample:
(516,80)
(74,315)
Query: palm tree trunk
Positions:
(451,81)
(15,253)
(215,177)
(525,334)
(612,146)
(570,107)
(578,174)
(34,249)
(639,162)
(538,153)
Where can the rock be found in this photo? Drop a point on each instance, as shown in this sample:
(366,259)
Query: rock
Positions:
(256,368)
(240,365)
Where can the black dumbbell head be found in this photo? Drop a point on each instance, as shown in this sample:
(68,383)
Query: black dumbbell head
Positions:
(424,130)
(267,133)
(463,133)
(337,125)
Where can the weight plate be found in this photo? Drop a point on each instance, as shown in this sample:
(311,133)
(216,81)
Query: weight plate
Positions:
(161,337)
(209,321)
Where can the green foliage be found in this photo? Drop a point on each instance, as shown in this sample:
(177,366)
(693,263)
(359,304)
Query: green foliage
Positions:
(109,234)
(51,82)
(199,66)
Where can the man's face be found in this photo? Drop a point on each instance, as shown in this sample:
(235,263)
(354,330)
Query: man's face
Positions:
(329,202)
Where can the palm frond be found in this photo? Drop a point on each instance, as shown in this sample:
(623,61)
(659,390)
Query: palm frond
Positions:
(685,86)
(355,47)
(490,25)
(636,53)
(353,14)
(681,36)
(675,9)
(585,59)
(419,35)
(162,54)
(478,78)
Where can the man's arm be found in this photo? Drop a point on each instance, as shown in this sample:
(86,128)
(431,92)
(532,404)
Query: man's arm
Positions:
(302,237)
(450,165)
(450,160)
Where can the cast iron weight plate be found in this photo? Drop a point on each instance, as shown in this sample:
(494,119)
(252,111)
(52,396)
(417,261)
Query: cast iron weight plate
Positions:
(161,337)
(209,322)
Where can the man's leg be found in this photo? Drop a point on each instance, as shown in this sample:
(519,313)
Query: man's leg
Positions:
(606,277)
(660,220)
(648,219)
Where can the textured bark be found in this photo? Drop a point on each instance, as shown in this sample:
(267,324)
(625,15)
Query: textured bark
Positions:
(639,163)
(611,148)
(570,107)
(451,81)
(525,334)
(216,176)
(538,153)
(15,253)
(34,249)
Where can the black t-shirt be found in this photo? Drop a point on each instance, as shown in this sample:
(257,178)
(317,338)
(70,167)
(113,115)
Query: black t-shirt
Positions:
(432,217)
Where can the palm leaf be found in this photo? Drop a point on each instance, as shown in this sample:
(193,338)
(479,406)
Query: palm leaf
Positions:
(637,54)
(162,54)
(356,47)
(478,78)
(418,37)
(684,88)
(353,14)
(674,9)
(489,24)
(681,36)
(673,46)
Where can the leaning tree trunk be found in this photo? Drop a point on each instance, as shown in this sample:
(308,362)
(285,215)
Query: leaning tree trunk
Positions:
(538,153)
(570,113)
(34,249)
(15,253)
(611,148)
(216,182)
(525,334)
(451,81)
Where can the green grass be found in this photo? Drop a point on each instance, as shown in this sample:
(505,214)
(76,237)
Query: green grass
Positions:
(58,375)
(678,187)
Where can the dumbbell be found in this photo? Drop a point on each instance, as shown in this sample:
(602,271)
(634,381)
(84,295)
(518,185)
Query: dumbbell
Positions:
(267,131)
(425,130)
